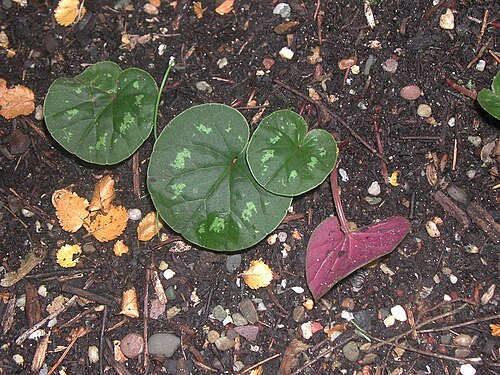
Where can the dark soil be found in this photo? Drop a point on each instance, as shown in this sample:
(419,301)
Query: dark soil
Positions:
(428,56)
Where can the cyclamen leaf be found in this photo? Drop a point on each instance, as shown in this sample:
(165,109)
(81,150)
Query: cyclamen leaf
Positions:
(490,99)
(333,254)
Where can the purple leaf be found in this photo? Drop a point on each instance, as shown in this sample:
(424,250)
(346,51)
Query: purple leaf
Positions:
(333,254)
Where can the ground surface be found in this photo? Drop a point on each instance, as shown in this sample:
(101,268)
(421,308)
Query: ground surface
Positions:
(423,268)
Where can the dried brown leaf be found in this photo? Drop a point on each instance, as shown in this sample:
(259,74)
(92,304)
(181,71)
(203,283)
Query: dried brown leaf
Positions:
(68,11)
(17,101)
(258,275)
(149,227)
(107,227)
(290,357)
(225,7)
(71,210)
(104,193)
(198,9)
(495,329)
(119,248)
(129,304)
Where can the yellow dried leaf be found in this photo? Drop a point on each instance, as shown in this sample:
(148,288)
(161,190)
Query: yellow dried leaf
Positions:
(67,255)
(198,9)
(4,40)
(16,101)
(495,329)
(149,227)
(393,180)
(68,11)
(104,193)
(129,304)
(71,210)
(107,227)
(225,7)
(120,248)
(258,275)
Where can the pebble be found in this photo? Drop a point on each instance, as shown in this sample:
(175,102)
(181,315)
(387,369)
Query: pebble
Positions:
(239,320)
(481,64)
(231,334)
(286,53)
(474,140)
(249,332)
(432,229)
(168,274)
(369,359)
(233,262)
(283,9)
(308,304)
(374,188)
(343,175)
(424,110)
(93,354)
(238,366)
(390,65)
(247,309)
(472,249)
(447,20)
(224,343)
(453,279)
(163,265)
(222,63)
(164,344)
(373,201)
(462,353)
(271,240)
(219,313)
(389,321)
(282,236)
(462,340)
(150,9)
(297,289)
(134,214)
(204,86)
(467,369)
(399,313)
(471,173)
(457,194)
(299,314)
(132,345)
(212,336)
(351,351)
(27,213)
(170,293)
(88,248)
(39,112)
(410,92)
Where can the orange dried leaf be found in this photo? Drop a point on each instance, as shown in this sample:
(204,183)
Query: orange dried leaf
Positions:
(104,193)
(495,329)
(107,227)
(68,11)
(119,356)
(67,255)
(71,210)
(393,179)
(129,304)
(16,101)
(198,9)
(149,227)
(155,3)
(258,275)
(120,248)
(225,7)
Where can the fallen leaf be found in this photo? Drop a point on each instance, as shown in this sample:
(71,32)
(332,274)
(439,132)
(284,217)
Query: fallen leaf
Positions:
(286,28)
(257,371)
(495,329)
(67,255)
(156,3)
(71,210)
(129,304)
(68,11)
(120,248)
(149,227)
(290,358)
(118,354)
(198,9)
(31,260)
(107,227)
(225,7)
(104,193)
(17,101)
(258,275)
(393,180)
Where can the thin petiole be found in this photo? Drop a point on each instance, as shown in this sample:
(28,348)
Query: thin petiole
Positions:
(171,63)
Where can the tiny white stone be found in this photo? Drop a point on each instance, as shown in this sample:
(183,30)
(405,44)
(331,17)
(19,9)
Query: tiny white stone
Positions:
(286,53)
(447,20)
(424,110)
(283,9)
(222,63)
(282,236)
(343,175)
(39,112)
(453,279)
(52,322)
(355,69)
(27,213)
(297,289)
(374,188)
(467,369)
(42,290)
(19,359)
(446,298)
(168,274)
(389,321)
(261,307)
(163,265)
(38,226)
(150,9)
(227,320)
(347,315)
(255,348)
(451,122)
(481,64)
(283,283)
(306,330)
(161,49)
(399,313)
(93,354)
(134,214)
(37,334)
(432,229)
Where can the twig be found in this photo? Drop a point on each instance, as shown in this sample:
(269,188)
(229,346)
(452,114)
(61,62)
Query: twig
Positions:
(474,321)
(146,313)
(136,178)
(469,93)
(260,363)
(59,273)
(455,155)
(32,208)
(483,28)
(480,53)
(76,334)
(101,339)
(88,295)
(380,146)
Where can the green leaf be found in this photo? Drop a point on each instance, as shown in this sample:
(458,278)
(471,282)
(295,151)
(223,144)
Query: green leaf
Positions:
(104,114)
(287,161)
(201,185)
(490,99)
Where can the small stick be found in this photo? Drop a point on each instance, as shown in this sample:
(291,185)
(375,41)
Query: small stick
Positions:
(455,153)
(80,332)
(480,53)
(412,205)
(469,93)
(380,146)
(494,55)
(474,321)
(424,138)
(146,314)
(59,273)
(260,363)
(136,178)
(88,295)
(101,339)
(483,28)
(32,208)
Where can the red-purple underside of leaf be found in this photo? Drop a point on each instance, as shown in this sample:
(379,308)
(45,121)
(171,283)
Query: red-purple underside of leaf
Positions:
(332,255)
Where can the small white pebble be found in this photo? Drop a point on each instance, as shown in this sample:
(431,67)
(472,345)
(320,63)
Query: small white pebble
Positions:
(306,330)
(481,64)
(453,279)
(297,289)
(163,265)
(424,110)
(283,283)
(451,122)
(27,213)
(374,188)
(399,313)
(261,307)
(432,229)
(471,173)
(37,334)
(347,315)
(446,298)
(150,9)
(343,175)
(222,63)
(467,369)
(389,321)
(93,354)
(42,291)
(161,49)
(51,323)
(447,20)
(227,320)
(18,359)
(282,236)
(39,112)
(134,214)
(355,69)
(168,274)
(286,53)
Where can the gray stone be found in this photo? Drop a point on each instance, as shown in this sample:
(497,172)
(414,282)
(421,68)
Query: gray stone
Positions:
(219,313)
(351,351)
(170,293)
(224,343)
(233,262)
(248,310)
(164,344)
(239,320)
(299,314)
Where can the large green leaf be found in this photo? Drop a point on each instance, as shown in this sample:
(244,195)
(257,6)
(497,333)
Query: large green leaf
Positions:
(287,160)
(201,185)
(490,99)
(104,114)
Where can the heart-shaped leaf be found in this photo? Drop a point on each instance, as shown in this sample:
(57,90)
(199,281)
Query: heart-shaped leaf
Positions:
(104,114)
(333,254)
(201,185)
(490,99)
(287,160)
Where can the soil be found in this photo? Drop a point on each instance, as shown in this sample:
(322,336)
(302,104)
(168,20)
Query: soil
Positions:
(450,274)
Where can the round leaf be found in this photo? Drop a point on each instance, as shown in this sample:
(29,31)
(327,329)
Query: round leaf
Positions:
(201,185)
(287,161)
(104,114)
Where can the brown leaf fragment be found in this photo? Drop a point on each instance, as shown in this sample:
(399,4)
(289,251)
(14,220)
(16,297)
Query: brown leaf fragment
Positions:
(258,275)
(119,248)
(68,11)
(495,329)
(17,101)
(71,210)
(286,27)
(33,306)
(129,304)
(198,9)
(108,227)
(104,193)
(225,7)
(4,40)
(290,357)
(40,353)
(149,227)
(31,260)
(485,221)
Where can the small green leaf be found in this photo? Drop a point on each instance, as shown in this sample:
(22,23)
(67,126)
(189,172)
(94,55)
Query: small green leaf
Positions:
(201,185)
(287,161)
(490,99)
(104,114)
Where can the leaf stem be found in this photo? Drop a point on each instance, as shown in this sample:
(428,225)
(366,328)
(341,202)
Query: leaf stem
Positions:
(334,184)
(171,63)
